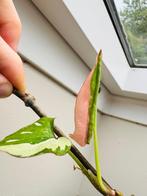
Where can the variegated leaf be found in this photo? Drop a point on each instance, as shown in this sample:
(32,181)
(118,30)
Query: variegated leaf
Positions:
(85,108)
(34,139)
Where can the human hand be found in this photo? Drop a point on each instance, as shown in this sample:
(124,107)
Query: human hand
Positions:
(11,67)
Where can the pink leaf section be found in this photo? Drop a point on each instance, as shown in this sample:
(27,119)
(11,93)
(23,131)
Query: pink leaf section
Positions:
(82,113)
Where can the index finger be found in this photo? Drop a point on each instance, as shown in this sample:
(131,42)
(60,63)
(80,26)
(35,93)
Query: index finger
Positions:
(10,25)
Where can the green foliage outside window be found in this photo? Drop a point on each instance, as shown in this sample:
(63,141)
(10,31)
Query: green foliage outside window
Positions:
(133,16)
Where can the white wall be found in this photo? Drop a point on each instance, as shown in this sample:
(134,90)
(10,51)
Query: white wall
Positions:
(41,44)
(123,157)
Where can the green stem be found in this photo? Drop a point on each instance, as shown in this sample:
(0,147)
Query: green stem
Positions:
(97,162)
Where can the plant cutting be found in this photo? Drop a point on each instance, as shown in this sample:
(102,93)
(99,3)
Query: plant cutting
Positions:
(43,136)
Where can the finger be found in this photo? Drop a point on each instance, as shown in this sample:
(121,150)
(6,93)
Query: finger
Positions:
(5,87)
(10,25)
(11,66)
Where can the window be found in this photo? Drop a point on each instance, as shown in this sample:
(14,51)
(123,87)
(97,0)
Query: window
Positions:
(130,21)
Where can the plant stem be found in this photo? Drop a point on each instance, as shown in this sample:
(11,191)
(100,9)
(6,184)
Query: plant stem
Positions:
(85,166)
(97,162)
(92,178)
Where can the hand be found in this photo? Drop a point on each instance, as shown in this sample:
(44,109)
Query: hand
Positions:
(11,67)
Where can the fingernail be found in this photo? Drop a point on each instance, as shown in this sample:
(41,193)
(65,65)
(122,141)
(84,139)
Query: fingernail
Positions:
(5,90)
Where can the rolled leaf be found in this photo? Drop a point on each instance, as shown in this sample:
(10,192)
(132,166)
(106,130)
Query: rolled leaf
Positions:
(34,139)
(85,107)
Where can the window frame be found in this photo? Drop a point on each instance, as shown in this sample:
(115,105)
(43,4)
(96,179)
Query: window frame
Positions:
(113,14)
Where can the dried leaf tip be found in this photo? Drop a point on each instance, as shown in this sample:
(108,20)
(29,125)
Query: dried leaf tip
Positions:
(99,58)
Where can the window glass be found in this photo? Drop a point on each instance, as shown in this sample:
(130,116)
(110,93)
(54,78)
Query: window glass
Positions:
(133,17)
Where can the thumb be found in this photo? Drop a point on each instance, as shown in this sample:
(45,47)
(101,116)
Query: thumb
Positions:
(11,66)
(5,87)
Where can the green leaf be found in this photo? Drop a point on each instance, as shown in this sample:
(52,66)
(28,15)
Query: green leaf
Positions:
(34,139)
(94,89)
(92,127)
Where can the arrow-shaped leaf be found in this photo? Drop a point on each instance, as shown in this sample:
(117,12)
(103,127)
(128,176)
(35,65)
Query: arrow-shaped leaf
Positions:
(34,139)
(85,107)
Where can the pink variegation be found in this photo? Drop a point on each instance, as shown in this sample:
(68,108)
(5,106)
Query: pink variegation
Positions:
(82,112)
